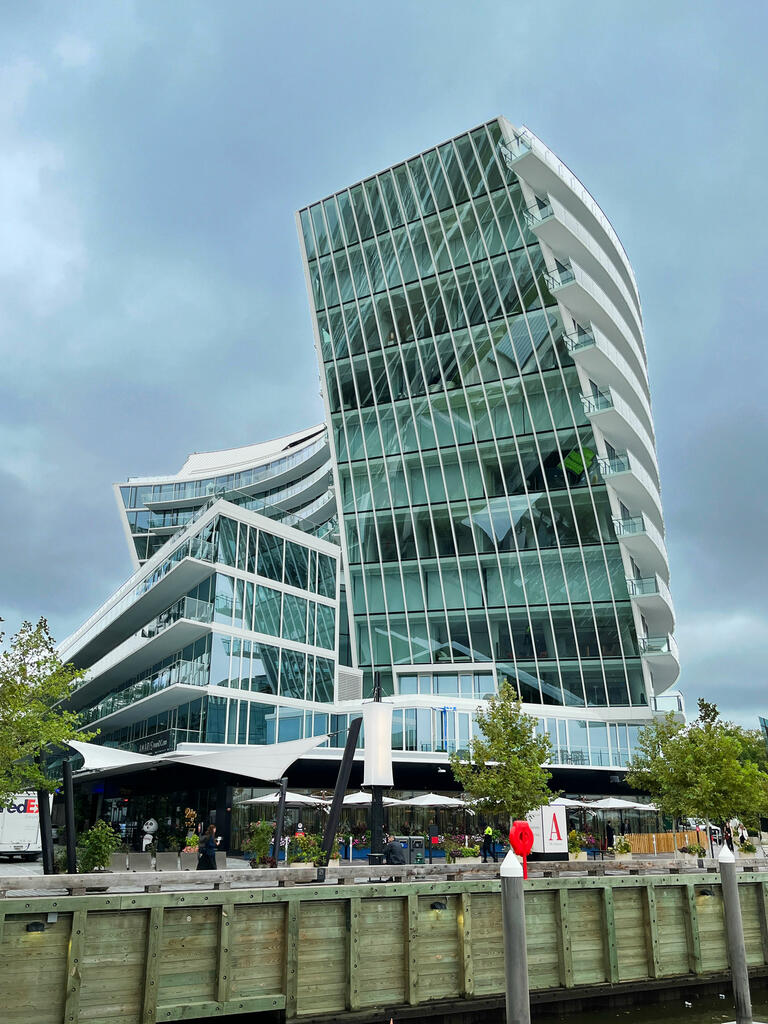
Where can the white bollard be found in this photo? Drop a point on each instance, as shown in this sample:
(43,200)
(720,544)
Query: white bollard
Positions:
(515,951)
(737,953)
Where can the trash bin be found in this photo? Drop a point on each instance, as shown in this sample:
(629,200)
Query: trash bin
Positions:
(403,840)
(416,850)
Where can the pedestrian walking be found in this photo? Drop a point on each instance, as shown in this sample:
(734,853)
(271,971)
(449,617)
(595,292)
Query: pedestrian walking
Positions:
(489,846)
(206,851)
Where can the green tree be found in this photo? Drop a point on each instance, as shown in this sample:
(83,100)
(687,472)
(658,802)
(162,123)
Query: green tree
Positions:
(504,770)
(701,770)
(33,681)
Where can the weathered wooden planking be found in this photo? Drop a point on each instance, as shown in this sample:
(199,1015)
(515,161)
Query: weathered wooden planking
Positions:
(258,950)
(119,986)
(709,910)
(543,939)
(382,952)
(322,958)
(189,956)
(33,969)
(440,976)
(631,934)
(487,944)
(587,942)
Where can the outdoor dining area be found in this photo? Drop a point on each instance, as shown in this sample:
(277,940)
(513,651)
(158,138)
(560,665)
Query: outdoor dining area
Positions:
(442,814)
(415,814)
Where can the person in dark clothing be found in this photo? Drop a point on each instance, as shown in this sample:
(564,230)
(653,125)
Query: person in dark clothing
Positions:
(489,846)
(610,835)
(393,852)
(206,851)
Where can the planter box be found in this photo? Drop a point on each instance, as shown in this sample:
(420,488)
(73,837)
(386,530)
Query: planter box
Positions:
(581,855)
(458,861)
(300,864)
(334,862)
(622,856)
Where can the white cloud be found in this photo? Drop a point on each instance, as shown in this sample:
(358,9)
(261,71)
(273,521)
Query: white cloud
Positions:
(73,51)
(41,246)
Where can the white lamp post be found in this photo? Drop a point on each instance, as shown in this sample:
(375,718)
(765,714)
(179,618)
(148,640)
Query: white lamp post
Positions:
(377,772)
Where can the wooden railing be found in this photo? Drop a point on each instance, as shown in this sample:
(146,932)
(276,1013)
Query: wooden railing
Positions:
(319,949)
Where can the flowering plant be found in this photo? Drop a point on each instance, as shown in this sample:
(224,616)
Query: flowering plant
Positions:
(621,846)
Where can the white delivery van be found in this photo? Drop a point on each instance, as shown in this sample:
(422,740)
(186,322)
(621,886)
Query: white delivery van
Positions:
(20,828)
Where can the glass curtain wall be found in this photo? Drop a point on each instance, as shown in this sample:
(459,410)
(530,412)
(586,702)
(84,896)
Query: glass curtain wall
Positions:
(476,526)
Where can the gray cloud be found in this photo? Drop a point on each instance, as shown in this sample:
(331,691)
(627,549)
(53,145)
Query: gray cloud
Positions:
(151,158)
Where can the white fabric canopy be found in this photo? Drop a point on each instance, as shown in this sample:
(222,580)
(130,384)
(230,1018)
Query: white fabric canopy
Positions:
(433,800)
(291,800)
(98,757)
(613,803)
(364,800)
(266,763)
(564,801)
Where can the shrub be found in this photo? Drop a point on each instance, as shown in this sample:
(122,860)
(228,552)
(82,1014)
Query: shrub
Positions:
(746,846)
(98,844)
(694,850)
(304,849)
(621,846)
(258,841)
(575,841)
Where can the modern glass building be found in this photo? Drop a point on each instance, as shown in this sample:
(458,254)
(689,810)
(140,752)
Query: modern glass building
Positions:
(479,332)
(482,505)
(288,479)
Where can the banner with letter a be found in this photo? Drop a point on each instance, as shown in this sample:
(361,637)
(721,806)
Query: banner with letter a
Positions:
(550,830)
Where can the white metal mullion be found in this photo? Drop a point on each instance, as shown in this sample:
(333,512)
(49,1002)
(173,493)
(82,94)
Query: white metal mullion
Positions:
(342,526)
(329,421)
(386,457)
(556,432)
(494,438)
(570,497)
(513,432)
(428,402)
(375,409)
(569,604)
(457,445)
(481,389)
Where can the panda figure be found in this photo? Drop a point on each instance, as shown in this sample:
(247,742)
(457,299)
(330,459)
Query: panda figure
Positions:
(149,828)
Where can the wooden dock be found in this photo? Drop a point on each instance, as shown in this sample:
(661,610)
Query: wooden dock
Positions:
(369,951)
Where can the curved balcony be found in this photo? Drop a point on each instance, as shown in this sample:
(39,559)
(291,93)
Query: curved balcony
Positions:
(601,360)
(644,543)
(652,596)
(534,163)
(174,569)
(175,493)
(568,238)
(170,632)
(633,484)
(138,702)
(663,659)
(586,302)
(621,426)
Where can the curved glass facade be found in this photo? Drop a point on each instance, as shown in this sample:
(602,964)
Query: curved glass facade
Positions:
(477,524)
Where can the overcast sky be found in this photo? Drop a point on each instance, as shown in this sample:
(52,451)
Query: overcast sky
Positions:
(152,301)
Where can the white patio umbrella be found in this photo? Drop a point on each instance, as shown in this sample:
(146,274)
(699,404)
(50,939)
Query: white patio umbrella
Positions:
(291,800)
(433,800)
(564,801)
(364,800)
(613,803)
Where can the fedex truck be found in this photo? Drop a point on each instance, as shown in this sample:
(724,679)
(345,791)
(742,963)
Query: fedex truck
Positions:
(20,828)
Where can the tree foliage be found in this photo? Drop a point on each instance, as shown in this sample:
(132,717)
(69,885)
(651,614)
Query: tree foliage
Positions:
(503,772)
(33,681)
(703,770)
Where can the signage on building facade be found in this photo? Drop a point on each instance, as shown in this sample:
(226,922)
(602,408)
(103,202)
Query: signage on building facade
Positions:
(157,744)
